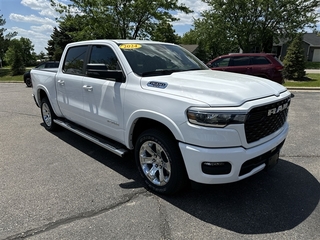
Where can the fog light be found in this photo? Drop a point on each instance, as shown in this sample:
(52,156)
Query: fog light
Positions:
(216,168)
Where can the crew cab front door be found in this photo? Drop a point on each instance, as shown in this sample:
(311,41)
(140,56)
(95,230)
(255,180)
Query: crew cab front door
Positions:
(103,93)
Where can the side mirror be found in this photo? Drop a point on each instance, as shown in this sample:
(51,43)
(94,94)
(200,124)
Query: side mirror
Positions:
(100,70)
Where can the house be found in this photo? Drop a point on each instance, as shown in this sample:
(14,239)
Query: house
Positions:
(310,45)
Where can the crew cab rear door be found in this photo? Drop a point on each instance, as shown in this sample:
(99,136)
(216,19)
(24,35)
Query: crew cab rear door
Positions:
(69,84)
(240,64)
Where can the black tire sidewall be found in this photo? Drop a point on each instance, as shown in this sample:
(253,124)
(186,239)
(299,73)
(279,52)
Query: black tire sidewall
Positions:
(52,127)
(28,82)
(178,173)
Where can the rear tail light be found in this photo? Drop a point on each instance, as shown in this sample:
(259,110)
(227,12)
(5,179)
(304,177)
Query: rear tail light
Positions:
(279,68)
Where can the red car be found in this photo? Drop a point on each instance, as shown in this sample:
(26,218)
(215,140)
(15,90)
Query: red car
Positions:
(264,65)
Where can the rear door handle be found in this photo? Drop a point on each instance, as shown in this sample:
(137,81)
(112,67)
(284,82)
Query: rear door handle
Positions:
(61,82)
(88,88)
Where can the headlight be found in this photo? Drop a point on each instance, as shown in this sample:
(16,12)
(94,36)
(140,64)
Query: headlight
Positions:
(214,119)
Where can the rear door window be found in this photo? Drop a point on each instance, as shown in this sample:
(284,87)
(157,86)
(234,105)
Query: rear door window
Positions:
(240,61)
(74,60)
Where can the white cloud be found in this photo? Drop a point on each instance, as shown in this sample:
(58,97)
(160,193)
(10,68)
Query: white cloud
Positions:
(27,33)
(32,19)
(42,21)
(43,28)
(187,19)
(197,6)
(39,32)
(43,7)
(39,39)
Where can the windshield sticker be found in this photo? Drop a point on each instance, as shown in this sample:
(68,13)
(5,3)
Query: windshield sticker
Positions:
(157,84)
(130,46)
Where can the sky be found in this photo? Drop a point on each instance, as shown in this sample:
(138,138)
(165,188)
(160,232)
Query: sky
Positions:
(35,19)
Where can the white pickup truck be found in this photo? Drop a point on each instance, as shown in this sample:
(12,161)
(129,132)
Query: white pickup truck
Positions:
(182,120)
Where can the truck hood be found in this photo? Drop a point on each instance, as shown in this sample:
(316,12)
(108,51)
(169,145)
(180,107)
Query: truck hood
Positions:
(214,88)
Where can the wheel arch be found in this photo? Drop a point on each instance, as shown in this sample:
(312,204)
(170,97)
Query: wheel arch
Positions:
(150,120)
(42,93)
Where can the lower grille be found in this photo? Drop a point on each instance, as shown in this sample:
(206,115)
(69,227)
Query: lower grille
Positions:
(251,164)
(265,120)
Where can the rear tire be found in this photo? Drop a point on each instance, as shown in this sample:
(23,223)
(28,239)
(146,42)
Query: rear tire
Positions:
(48,115)
(159,162)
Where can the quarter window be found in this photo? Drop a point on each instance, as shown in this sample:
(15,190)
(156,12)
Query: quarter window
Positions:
(260,61)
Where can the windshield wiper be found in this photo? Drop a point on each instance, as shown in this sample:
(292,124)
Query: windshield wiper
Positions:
(193,69)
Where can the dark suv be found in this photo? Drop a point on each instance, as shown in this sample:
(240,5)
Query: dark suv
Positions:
(48,64)
(264,65)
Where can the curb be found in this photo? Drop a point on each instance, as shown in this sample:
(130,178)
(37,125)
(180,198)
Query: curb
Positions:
(304,88)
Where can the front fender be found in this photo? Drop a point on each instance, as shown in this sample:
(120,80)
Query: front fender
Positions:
(155,116)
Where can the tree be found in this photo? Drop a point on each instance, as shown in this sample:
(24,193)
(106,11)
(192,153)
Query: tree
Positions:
(193,37)
(214,37)
(59,39)
(41,55)
(294,61)
(4,39)
(123,19)
(190,37)
(254,24)
(27,51)
(14,56)
(164,32)
(212,41)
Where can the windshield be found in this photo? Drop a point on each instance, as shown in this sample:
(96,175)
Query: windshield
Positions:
(152,59)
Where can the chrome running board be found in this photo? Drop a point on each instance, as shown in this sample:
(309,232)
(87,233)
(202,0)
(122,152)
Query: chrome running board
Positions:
(110,145)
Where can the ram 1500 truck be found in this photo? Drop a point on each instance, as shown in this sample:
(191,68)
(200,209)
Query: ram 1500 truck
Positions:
(181,120)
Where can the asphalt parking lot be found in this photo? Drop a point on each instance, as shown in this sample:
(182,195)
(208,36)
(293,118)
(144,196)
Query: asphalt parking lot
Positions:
(60,186)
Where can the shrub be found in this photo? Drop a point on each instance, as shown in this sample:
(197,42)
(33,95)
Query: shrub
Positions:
(17,67)
(294,62)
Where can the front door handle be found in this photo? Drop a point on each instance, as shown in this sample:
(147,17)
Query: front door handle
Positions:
(88,88)
(61,82)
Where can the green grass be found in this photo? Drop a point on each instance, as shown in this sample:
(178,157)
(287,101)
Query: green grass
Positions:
(312,65)
(312,79)
(5,75)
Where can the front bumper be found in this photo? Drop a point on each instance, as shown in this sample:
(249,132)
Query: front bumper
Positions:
(195,156)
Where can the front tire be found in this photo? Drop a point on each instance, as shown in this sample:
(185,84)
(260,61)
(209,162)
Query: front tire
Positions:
(159,162)
(48,115)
